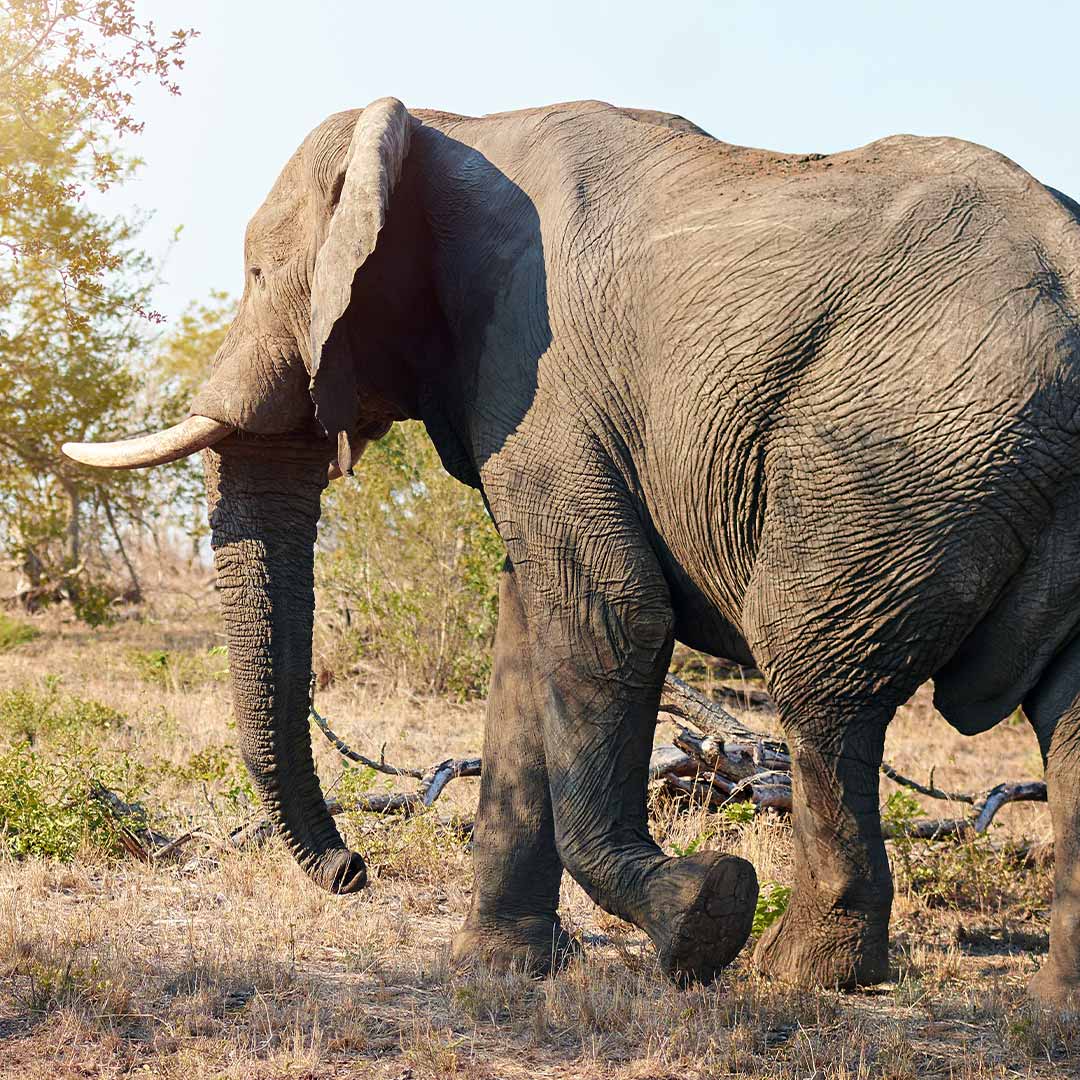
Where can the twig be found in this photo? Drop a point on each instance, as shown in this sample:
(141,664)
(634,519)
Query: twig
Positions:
(347,751)
(172,847)
(929,790)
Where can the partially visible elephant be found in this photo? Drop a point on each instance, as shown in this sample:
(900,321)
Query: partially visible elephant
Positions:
(818,413)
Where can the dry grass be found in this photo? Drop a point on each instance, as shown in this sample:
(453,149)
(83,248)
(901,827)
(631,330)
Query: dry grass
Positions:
(232,965)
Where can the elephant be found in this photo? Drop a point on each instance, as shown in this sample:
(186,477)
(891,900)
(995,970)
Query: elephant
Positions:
(814,413)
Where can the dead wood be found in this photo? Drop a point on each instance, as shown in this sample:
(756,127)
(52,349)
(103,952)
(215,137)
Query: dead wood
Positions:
(716,760)
(736,763)
(132,828)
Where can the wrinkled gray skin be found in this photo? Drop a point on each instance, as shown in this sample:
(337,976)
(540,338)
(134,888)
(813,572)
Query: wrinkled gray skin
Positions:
(814,413)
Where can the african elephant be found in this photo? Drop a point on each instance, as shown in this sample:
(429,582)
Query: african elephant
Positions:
(817,413)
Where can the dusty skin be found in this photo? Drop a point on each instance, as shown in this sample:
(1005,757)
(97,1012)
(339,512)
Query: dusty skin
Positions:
(239,967)
(811,412)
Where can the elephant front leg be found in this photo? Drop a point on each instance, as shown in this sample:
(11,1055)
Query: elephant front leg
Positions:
(835,932)
(603,667)
(513,919)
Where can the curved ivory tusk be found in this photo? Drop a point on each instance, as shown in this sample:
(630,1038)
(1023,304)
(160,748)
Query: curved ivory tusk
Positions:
(334,473)
(180,441)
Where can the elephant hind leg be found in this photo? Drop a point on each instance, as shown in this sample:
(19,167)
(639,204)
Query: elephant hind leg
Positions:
(835,932)
(1053,709)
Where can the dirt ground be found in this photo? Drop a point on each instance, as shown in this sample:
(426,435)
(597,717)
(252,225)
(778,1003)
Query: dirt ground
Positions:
(231,964)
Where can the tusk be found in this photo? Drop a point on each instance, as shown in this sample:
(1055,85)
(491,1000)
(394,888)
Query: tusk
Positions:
(333,472)
(180,441)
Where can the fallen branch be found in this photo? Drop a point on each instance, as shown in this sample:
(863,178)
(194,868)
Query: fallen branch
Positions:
(679,699)
(135,835)
(735,763)
(720,763)
(29,595)
(433,781)
(346,751)
(928,790)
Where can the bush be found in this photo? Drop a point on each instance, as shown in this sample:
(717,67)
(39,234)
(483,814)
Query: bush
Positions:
(221,772)
(772,902)
(27,714)
(46,807)
(178,671)
(14,632)
(411,562)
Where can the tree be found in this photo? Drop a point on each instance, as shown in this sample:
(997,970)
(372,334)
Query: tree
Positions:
(74,290)
(68,378)
(67,73)
(183,361)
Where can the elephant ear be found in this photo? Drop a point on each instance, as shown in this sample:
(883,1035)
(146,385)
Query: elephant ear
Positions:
(379,144)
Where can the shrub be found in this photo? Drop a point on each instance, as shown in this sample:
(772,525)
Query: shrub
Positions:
(27,714)
(46,807)
(178,671)
(411,560)
(221,769)
(46,985)
(420,848)
(15,632)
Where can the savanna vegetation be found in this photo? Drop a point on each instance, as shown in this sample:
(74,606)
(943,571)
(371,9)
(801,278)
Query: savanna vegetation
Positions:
(138,937)
(212,961)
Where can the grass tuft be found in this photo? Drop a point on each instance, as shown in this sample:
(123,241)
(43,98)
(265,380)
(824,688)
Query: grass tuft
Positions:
(14,632)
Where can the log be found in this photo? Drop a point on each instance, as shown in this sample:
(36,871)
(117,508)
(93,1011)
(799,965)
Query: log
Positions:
(735,760)
(679,699)
(671,761)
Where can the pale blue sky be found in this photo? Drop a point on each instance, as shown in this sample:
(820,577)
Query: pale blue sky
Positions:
(789,75)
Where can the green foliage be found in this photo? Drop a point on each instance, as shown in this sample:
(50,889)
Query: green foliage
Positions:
(60,381)
(900,810)
(772,902)
(416,848)
(74,291)
(737,813)
(220,769)
(354,783)
(969,874)
(66,82)
(27,715)
(92,600)
(178,671)
(182,362)
(682,850)
(15,632)
(46,807)
(411,562)
(48,984)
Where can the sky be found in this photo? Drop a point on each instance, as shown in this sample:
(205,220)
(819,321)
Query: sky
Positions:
(789,75)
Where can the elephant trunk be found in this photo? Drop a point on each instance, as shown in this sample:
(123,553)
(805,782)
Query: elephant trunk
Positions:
(264,515)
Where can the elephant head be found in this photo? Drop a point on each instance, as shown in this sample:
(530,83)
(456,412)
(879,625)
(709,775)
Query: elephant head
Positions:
(288,393)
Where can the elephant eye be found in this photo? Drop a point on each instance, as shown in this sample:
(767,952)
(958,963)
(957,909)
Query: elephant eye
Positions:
(257,275)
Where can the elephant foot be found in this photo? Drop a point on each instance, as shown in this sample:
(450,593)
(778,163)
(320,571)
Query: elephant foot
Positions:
(1050,989)
(700,912)
(538,946)
(837,950)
